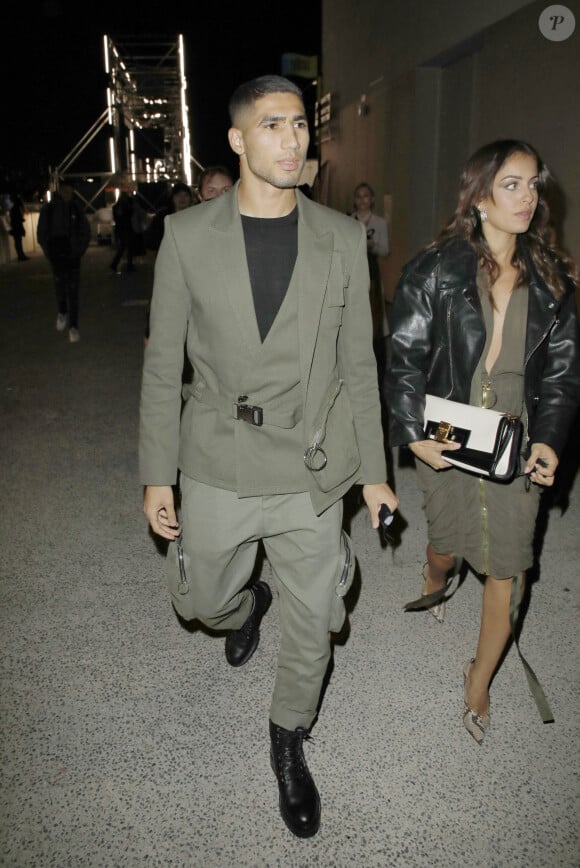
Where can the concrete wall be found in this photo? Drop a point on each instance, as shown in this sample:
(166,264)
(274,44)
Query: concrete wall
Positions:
(418,85)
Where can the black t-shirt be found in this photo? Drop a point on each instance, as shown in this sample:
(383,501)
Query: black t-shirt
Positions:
(271,250)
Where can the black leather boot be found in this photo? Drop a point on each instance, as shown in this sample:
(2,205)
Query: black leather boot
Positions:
(299,799)
(241,644)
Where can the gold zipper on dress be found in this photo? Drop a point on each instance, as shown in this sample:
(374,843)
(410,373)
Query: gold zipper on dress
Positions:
(484,528)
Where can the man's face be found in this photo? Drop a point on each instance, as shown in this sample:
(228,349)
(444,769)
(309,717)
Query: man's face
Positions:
(271,138)
(214,186)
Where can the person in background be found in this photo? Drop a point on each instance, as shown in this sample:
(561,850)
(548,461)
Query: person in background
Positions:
(64,233)
(214,181)
(377,245)
(180,197)
(17,230)
(125,234)
(281,420)
(486,316)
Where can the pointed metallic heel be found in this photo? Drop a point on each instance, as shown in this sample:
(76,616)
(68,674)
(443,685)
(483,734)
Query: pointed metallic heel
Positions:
(475,724)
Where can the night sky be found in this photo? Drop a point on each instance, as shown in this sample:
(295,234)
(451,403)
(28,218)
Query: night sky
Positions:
(54,82)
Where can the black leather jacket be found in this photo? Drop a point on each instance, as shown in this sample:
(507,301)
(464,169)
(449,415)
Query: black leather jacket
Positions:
(438,336)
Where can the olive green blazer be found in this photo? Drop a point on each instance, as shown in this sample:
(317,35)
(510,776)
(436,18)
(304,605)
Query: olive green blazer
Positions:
(202,297)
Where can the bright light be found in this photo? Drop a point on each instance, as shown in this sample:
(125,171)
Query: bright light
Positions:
(184,113)
(106,52)
(132,154)
(112,156)
(110,105)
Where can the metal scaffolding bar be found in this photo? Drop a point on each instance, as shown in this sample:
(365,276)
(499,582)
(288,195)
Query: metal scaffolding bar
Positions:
(149,115)
(146,118)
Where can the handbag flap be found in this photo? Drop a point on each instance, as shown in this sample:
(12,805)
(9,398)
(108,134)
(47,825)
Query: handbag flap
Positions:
(490,440)
(482,425)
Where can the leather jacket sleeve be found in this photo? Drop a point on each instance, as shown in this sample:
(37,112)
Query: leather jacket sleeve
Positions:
(411,321)
(554,369)
(438,336)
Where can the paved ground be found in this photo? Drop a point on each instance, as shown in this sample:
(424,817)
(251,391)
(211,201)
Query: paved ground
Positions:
(128,741)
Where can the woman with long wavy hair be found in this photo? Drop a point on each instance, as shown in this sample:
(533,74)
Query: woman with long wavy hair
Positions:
(486,315)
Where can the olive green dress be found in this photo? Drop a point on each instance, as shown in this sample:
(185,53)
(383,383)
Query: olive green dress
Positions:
(489,524)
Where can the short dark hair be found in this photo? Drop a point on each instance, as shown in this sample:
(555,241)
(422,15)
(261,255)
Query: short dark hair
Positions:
(180,187)
(245,95)
(210,171)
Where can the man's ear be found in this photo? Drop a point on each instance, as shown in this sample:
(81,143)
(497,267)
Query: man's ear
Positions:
(236,140)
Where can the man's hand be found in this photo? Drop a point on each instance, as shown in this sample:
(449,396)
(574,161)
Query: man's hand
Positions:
(377,494)
(430,451)
(159,508)
(542,463)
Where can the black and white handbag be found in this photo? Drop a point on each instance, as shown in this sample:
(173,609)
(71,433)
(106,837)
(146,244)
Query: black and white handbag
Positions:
(490,441)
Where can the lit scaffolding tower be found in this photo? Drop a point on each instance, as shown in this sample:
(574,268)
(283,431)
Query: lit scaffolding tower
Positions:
(147,111)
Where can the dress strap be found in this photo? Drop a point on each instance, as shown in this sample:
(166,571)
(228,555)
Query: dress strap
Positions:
(534,685)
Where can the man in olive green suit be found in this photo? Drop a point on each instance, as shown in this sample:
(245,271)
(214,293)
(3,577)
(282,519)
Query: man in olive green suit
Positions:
(269,292)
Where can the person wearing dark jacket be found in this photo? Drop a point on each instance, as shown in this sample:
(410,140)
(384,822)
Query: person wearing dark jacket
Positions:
(180,197)
(129,220)
(64,234)
(486,316)
(17,227)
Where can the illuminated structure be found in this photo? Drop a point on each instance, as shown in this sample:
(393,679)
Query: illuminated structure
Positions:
(146,118)
(147,110)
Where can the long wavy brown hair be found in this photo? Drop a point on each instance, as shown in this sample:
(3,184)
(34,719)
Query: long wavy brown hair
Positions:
(551,263)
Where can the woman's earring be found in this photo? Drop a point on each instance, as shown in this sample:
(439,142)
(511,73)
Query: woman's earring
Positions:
(482,214)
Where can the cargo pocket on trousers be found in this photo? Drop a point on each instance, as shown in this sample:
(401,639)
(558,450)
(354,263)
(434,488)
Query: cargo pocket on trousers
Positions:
(345,575)
(177,582)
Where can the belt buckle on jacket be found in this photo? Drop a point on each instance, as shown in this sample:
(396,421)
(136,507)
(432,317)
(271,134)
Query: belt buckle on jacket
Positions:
(249,412)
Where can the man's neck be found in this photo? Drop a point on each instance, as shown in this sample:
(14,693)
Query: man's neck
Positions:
(269,202)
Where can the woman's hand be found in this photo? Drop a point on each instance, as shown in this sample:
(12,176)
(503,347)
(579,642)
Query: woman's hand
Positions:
(375,495)
(430,451)
(542,463)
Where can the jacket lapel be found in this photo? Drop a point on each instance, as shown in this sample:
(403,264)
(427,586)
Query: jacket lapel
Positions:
(312,272)
(234,267)
(310,276)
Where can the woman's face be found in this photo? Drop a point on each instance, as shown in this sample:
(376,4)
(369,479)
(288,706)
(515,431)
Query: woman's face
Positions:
(513,199)
(363,199)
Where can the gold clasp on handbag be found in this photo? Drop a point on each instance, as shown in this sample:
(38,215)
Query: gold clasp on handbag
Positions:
(443,432)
